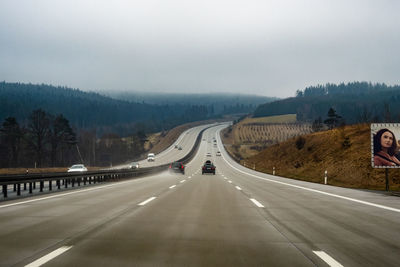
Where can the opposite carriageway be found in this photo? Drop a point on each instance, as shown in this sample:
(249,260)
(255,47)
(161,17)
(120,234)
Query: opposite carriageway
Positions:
(17,184)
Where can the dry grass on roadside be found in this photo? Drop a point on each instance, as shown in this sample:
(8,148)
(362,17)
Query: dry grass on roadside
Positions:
(348,163)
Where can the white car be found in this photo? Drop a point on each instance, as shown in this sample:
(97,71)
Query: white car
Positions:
(218,153)
(208,154)
(151,157)
(77,168)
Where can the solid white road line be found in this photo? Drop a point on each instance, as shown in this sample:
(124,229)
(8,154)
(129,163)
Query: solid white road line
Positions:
(316,191)
(182,181)
(258,204)
(238,188)
(172,186)
(328,259)
(48,257)
(146,201)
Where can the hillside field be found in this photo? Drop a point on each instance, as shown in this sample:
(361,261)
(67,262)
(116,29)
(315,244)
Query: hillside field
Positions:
(345,153)
(251,135)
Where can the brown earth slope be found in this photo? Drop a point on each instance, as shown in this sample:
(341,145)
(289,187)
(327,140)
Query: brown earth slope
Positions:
(344,152)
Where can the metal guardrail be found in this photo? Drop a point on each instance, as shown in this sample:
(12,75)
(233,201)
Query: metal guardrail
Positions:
(32,181)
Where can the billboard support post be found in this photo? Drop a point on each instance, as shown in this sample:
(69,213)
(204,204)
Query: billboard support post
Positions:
(387,178)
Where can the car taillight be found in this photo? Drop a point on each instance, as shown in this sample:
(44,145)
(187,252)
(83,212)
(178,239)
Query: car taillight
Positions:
(212,168)
(182,167)
(170,166)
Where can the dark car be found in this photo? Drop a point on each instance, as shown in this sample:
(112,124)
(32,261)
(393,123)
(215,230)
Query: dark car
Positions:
(208,167)
(177,167)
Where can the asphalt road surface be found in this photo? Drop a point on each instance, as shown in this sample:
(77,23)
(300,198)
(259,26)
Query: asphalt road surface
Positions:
(186,141)
(237,217)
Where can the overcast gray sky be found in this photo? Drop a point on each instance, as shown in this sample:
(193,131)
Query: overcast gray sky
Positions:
(266,47)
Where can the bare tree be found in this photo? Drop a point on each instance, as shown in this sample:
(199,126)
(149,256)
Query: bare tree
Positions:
(11,135)
(38,134)
(60,132)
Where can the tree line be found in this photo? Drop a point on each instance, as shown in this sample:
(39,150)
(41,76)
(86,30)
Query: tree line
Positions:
(48,140)
(356,102)
(44,140)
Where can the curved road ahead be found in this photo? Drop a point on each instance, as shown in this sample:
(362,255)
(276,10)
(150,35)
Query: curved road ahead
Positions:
(237,217)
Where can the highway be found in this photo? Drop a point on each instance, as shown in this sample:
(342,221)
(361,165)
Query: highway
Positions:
(186,141)
(238,217)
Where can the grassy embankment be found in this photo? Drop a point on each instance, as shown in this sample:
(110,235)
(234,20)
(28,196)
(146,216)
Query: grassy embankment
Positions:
(344,152)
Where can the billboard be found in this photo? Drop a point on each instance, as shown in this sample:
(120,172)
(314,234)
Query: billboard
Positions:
(385,145)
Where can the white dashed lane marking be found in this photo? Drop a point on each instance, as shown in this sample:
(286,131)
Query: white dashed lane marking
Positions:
(48,257)
(146,201)
(328,259)
(258,204)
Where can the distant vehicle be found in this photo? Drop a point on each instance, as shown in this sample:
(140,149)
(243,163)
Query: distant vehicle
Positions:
(151,157)
(218,153)
(134,165)
(176,146)
(177,167)
(77,168)
(180,148)
(208,154)
(208,167)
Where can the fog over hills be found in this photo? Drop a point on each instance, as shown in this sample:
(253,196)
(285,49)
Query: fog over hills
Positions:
(124,113)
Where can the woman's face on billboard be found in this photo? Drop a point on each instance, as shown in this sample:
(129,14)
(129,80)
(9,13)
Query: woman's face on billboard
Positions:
(386,140)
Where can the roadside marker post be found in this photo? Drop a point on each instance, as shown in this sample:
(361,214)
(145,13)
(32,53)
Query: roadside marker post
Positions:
(273,171)
(326,177)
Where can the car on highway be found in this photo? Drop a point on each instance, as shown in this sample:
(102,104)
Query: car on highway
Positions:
(208,167)
(176,166)
(151,157)
(208,154)
(77,168)
(180,148)
(134,165)
(218,153)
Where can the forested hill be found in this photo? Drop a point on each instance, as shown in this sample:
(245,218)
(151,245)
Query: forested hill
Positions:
(354,102)
(220,103)
(92,110)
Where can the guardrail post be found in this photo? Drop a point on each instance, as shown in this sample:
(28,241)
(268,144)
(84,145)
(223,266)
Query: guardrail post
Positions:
(58,184)
(5,190)
(73,182)
(66,183)
(24,186)
(84,180)
(30,188)
(41,186)
(50,185)
(15,187)
(34,185)
(18,189)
